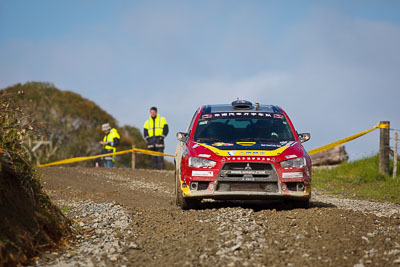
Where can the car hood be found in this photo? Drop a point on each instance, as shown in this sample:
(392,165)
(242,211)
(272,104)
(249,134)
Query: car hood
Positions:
(278,150)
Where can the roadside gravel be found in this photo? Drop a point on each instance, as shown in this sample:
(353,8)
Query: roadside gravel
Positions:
(380,209)
(101,232)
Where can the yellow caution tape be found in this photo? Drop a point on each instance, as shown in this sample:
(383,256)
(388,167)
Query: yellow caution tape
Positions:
(71,160)
(154,153)
(347,139)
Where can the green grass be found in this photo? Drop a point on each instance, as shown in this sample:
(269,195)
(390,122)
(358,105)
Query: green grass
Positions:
(65,209)
(358,179)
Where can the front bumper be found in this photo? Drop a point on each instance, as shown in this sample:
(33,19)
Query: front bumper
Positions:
(248,180)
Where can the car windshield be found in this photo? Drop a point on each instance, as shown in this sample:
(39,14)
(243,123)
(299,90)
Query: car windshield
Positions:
(243,129)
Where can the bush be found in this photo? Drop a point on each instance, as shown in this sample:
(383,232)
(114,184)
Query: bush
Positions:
(29,223)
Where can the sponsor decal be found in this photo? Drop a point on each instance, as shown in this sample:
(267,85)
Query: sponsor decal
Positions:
(196,145)
(222,144)
(240,114)
(278,116)
(207,116)
(291,156)
(185,152)
(246,153)
(232,153)
(292,175)
(203,173)
(203,122)
(248,158)
(204,155)
(272,145)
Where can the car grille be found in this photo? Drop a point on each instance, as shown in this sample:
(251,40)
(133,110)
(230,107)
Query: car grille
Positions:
(244,176)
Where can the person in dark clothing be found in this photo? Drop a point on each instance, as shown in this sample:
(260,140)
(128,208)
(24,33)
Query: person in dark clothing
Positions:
(155,130)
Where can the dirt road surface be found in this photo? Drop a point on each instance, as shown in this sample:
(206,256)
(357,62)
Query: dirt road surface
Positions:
(129,218)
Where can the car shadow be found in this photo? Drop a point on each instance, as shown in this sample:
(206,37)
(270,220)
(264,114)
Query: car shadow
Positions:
(258,205)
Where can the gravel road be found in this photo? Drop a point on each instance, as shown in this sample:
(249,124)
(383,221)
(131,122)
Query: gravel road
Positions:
(128,218)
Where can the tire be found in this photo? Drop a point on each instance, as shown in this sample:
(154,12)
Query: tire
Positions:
(178,191)
(184,203)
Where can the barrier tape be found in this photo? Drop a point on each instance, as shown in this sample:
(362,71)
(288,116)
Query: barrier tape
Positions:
(72,160)
(347,139)
(154,153)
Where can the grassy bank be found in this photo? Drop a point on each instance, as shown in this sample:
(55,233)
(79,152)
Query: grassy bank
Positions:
(29,222)
(358,179)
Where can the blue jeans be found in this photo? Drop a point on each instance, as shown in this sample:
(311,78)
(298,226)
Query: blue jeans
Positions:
(108,164)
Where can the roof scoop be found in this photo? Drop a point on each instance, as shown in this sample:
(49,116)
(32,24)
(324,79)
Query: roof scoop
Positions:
(242,104)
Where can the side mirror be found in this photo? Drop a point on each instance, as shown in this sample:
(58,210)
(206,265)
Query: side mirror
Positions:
(182,137)
(304,137)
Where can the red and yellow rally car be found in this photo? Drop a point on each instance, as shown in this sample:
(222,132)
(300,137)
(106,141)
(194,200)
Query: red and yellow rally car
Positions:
(242,151)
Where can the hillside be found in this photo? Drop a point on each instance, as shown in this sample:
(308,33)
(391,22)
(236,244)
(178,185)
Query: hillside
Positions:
(69,125)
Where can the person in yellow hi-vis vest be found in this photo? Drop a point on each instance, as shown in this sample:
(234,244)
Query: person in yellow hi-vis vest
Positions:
(155,130)
(110,142)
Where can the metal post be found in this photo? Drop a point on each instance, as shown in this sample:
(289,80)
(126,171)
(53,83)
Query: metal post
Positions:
(396,140)
(133,157)
(384,149)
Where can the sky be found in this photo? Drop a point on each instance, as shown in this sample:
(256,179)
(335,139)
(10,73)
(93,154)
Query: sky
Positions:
(333,66)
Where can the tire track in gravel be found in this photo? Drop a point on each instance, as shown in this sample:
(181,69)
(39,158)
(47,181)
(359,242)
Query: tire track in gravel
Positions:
(333,232)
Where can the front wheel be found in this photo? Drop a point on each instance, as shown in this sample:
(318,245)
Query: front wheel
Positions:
(184,203)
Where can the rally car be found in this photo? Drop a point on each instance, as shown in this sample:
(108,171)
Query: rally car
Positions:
(242,151)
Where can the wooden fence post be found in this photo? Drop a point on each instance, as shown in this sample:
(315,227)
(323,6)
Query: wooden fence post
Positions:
(396,140)
(133,157)
(384,149)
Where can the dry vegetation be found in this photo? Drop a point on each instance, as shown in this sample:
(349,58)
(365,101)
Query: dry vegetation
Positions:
(29,223)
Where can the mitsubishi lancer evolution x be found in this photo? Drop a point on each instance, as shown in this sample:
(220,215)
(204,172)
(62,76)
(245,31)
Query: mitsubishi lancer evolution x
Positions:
(242,151)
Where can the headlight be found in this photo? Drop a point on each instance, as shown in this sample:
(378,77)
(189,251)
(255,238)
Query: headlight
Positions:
(294,163)
(201,163)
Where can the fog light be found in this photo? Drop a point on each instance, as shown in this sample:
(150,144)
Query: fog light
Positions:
(194,185)
(300,187)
